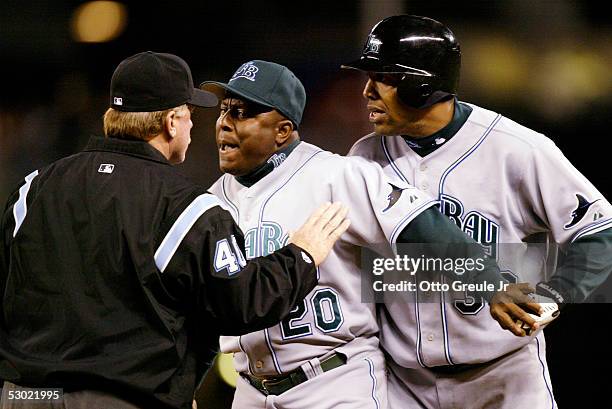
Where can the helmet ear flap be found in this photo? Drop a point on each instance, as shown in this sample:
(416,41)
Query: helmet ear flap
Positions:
(414,93)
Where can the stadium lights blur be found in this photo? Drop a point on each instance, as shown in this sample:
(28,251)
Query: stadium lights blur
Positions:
(225,368)
(583,75)
(555,80)
(98,21)
(569,79)
(497,65)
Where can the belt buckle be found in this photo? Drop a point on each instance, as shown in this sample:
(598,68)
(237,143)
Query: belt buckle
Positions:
(263,386)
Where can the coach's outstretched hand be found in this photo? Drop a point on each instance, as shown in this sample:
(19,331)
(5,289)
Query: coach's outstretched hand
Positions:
(511,307)
(318,235)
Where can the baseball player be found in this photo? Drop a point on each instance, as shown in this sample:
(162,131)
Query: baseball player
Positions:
(502,184)
(325,354)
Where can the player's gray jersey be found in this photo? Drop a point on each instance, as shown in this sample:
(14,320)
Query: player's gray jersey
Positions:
(501,183)
(333,315)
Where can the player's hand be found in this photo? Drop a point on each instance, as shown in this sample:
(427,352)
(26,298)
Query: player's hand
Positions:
(318,235)
(510,308)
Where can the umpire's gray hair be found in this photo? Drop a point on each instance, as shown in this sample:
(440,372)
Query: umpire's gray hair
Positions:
(139,125)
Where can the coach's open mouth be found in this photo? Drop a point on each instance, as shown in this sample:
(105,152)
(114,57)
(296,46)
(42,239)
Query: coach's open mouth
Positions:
(227,147)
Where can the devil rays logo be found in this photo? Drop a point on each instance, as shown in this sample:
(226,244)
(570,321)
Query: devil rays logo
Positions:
(580,211)
(394,196)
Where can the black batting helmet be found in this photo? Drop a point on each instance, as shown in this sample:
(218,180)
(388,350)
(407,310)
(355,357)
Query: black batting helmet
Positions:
(422,49)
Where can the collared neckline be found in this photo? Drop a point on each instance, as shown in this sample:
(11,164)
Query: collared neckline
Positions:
(268,166)
(427,145)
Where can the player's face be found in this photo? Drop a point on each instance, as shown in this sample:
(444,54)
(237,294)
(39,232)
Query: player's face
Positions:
(246,135)
(179,144)
(386,112)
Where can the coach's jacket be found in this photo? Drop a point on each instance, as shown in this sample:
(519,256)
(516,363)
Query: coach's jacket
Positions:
(118,273)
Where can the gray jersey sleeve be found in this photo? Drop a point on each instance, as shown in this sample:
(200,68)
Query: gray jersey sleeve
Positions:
(565,203)
(562,199)
(370,195)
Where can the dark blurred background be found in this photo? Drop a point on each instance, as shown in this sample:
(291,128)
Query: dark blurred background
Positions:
(544,63)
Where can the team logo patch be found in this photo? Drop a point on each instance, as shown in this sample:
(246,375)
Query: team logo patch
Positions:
(264,240)
(117,101)
(247,71)
(277,159)
(106,168)
(373,45)
(394,196)
(580,211)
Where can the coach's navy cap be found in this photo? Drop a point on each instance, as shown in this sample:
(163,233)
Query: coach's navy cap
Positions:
(268,84)
(149,81)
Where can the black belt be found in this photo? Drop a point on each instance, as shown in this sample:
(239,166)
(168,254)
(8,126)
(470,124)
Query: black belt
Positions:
(281,384)
(455,369)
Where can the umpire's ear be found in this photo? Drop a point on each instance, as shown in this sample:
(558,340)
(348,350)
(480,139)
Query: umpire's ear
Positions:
(284,131)
(169,124)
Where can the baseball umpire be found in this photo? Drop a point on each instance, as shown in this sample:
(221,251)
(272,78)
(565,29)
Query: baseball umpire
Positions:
(118,274)
(504,185)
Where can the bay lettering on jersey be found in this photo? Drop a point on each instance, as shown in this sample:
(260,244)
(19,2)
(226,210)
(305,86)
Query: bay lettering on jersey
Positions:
(483,230)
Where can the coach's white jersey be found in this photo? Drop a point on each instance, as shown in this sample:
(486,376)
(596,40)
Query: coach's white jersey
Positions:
(333,315)
(501,183)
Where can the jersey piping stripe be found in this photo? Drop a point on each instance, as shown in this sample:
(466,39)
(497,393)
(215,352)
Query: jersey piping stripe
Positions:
(260,244)
(404,222)
(263,206)
(398,229)
(552,399)
(181,227)
(419,346)
(447,350)
(251,371)
(274,358)
(374,382)
(20,209)
(383,142)
(592,229)
(227,200)
(468,153)
(440,192)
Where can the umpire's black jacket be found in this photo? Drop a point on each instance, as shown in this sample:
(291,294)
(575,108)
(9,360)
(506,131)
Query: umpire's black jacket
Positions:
(118,273)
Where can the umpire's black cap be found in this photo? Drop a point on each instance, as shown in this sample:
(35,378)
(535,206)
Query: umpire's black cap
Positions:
(150,81)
